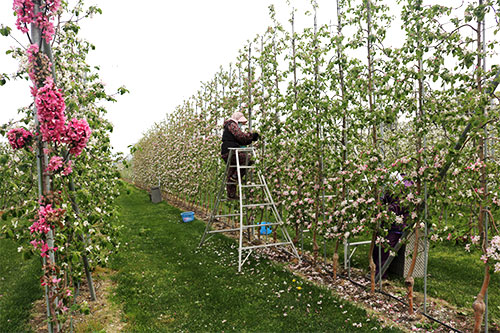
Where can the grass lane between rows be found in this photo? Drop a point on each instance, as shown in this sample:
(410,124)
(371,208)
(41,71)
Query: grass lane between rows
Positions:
(166,283)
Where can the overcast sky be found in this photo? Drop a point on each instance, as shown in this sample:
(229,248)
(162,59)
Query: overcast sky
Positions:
(160,52)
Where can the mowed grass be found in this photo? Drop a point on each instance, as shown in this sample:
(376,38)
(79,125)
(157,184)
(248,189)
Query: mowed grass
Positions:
(19,286)
(166,283)
(456,276)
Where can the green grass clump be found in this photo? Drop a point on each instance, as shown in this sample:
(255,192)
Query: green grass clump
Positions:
(456,276)
(19,286)
(166,283)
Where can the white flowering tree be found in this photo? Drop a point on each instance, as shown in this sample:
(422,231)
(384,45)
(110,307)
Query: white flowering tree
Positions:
(346,120)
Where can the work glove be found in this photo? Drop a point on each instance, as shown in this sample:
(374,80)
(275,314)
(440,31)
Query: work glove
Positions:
(256,136)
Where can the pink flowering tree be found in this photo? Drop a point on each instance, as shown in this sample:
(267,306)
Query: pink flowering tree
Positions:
(65,221)
(52,132)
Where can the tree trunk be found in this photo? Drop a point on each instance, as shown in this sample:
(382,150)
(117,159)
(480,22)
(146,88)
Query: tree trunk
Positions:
(336,259)
(372,263)
(479,305)
(410,281)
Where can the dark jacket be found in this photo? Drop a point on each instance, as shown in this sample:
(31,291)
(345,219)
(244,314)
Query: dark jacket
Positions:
(234,137)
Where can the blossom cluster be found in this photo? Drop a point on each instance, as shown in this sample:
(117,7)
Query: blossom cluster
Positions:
(50,110)
(32,53)
(25,12)
(77,135)
(55,163)
(43,247)
(493,252)
(50,107)
(477,165)
(19,137)
(47,216)
(39,66)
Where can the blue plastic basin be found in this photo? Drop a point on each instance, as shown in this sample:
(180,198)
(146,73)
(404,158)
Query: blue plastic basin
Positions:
(187,216)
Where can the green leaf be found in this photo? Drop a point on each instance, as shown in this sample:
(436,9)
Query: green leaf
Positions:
(122,90)
(5,31)
(75,259)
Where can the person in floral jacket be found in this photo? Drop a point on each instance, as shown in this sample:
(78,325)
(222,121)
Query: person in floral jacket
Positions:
(234,137)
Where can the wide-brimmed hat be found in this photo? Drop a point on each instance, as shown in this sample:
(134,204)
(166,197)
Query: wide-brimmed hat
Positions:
(239,117)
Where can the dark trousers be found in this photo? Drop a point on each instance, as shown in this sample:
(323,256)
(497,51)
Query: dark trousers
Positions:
(232,173)
(393,237)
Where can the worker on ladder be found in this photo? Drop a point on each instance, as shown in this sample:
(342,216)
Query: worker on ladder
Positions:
(233,136)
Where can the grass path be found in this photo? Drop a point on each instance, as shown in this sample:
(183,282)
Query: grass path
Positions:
(166,284)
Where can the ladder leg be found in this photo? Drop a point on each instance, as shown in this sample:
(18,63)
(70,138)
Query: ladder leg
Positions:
(240,248)
(277,215)
(240,164)
(217,201)
(282,226)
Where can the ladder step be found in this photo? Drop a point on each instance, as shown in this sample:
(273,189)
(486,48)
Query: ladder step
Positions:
(226,215)
(260,225)
(253,185)
(222,230)
(265,245)
(243,166)
(258,205)
(249,149)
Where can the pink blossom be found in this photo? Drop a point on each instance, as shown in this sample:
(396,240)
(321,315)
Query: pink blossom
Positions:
(77,135)
(56,162)
(19,137)
(35,243)
(46,214)
(50,106)
(46,27)
(68,169)
(25,12)
(33,49)
(40,226)
(44,249)
(475,239)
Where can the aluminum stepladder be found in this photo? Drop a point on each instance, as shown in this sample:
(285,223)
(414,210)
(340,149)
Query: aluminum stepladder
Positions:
(260,183)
